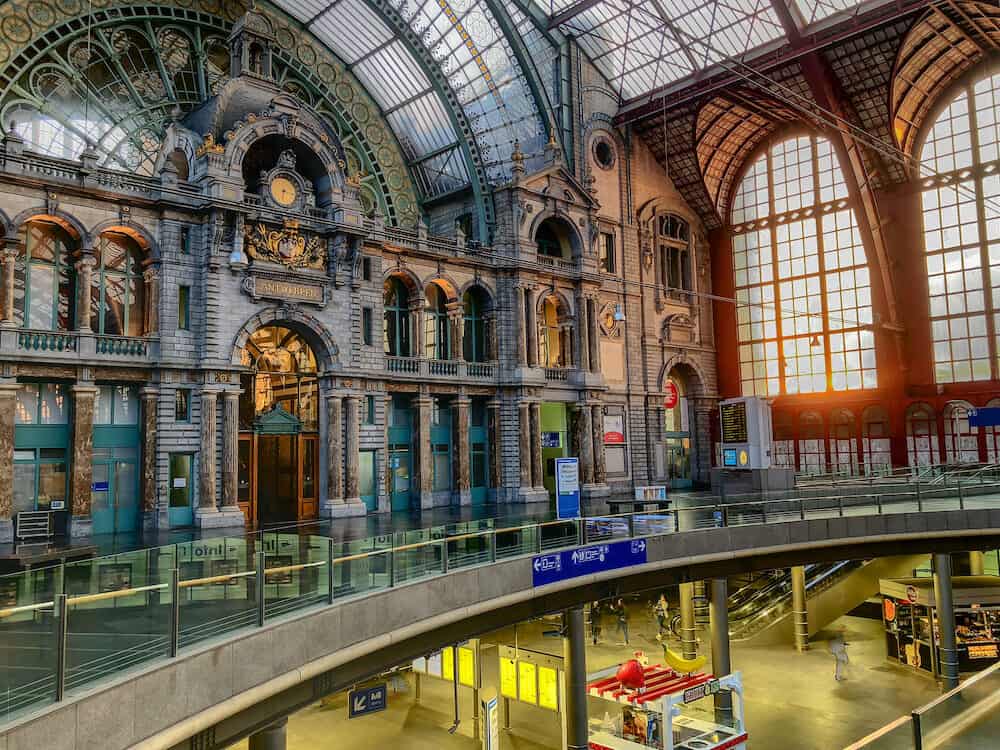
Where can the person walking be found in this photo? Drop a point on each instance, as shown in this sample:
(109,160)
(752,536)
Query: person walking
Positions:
(621,618)
(595,622)
(838,647)
(662,612)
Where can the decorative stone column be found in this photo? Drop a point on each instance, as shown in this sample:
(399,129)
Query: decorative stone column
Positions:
(490,324)
(582,333)
(461,468)
(456,329)
(583,436)
(82,475)
(594,335)
(352,435)
(148,497)
(417,326)
(531,327)
(206,470)
(597,428)
(521,330)
(334,453)
(524,446)
(84,277)
(151,280)
(8,394)
(230,450)
(425,469)
(495,445)
(11,251)
(566,350)
(537,476)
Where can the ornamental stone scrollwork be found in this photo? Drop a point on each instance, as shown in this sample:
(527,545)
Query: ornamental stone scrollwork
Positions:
(679,329)
(610,327)
(209,146)
(286,246)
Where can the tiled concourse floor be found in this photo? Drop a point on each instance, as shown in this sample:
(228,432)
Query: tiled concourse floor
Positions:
(792,700)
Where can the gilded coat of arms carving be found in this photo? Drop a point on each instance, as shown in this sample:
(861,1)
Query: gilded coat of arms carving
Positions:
(286,246)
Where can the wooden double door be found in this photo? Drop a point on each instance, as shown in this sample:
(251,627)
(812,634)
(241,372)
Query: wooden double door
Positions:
(278,477)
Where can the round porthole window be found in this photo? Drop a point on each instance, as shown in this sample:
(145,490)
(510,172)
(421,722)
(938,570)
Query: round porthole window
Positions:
(604,153)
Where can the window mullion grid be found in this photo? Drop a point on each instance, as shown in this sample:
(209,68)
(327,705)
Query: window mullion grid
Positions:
(776,286)
(821,263)
(984,255)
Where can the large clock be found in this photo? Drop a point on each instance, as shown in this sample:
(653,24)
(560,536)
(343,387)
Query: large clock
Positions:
(284,191)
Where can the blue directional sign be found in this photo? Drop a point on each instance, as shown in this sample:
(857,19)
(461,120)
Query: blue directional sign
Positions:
(567,488)
(984,416)
(367,701)
(583,561)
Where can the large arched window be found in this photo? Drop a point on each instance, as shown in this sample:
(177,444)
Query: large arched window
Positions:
(396,303)
(812,443)
(117,291)
(437,341)
(804,309)
(673,240)
(875,438)
(44,279)
(961,440)
(843,442)
(553,339)
(921,436)
(474,303)
(963,265)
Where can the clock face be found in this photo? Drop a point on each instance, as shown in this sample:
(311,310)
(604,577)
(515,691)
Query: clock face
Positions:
(283,191)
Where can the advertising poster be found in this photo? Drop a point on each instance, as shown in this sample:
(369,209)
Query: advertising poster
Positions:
(448,664)
(467,666)
(491,721)
(614,429)
(527,682)
(434,664)
(548,688)
(508,678)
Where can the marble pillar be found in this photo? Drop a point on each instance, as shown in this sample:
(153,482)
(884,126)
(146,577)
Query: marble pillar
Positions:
(593,336)
(521,330)
(490,324)
(417,326)
(84,277)
(147,489)
(8,395)
(582,330)
(334,450)
(495,445)
(584,439)
(11,251)
(524,447)
(537,477)
(206,471)
(151,280)
(424,463)
(82,473)
(352,445)
(597,428)
(531,327)
(462,453)
(230,449)
(456,329)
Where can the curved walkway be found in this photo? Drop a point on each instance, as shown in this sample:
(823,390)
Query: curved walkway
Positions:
(325,617)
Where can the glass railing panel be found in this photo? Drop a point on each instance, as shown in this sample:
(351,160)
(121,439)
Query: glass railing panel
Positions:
(28,640)
(469,549)
(651,523)
(606,528)
(895,736)
(298,577)
(362,573)
(218,588)
(418,561)
(563,534)
(516,541)
(967,719)
(118,613)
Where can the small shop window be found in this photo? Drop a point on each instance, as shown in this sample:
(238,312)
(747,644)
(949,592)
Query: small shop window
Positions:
(42,403)
(369,410)
(441,456)
(40,479)
(366,326)
(366,474)
(182,405)
(180,480)
(366,269)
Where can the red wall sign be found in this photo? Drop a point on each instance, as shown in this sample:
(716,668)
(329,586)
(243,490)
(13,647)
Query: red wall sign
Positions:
(670,400)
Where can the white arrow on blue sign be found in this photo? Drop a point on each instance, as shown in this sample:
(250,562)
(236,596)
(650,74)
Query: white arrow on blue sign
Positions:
(367,701)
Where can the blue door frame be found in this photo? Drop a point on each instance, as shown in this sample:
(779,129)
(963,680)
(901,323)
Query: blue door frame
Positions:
(400,441)
(181,491)
(114,490)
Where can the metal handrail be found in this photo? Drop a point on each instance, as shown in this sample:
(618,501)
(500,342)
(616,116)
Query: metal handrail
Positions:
(583,530)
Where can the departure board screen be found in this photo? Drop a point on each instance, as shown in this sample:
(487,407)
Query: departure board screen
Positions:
(734,422)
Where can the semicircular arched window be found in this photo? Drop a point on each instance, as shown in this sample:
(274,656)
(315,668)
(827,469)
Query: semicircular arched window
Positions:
(117,299)
(803,295)
(963,265)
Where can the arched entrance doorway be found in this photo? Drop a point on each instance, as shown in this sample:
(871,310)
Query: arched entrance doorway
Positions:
(677,431)
(279,428)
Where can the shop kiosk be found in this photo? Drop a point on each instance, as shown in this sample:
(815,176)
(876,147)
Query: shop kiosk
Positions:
(672,711)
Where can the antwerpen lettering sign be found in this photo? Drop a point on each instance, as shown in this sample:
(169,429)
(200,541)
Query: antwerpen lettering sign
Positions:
(293,291)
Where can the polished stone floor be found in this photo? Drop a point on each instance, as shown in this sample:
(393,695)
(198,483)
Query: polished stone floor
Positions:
(792,699)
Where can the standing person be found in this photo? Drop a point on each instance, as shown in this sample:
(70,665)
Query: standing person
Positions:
(595,621)
(838,647)
(621,618)
(662,611)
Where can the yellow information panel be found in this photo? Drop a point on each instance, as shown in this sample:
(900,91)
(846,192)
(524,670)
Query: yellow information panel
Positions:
(548,688)
(447,664)
(527,682)
(508,679)
(466,666)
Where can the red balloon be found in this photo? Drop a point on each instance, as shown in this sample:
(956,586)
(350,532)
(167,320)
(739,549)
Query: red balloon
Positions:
(631,675)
